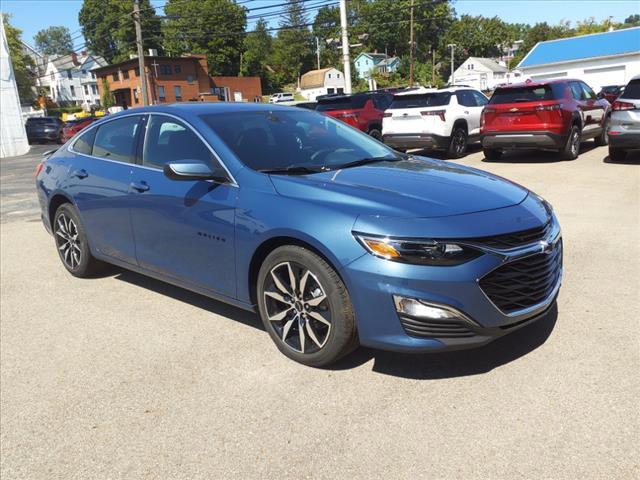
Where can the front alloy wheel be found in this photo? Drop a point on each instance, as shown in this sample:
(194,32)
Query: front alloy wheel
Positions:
(305,306)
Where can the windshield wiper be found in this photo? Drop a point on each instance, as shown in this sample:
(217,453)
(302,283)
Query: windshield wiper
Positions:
(365,161)
(296,170)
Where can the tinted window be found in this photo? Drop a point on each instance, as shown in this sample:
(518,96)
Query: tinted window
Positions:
(632,91)
(84,144)
(421,100)
(168,139)
(265,140)
(525,94)
(342,103)
(382,102)
(115,140)
(481,100)
(576,90)
(466,98)
(589,94)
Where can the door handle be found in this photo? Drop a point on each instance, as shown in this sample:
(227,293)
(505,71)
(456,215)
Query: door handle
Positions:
(81,173)
(139,186)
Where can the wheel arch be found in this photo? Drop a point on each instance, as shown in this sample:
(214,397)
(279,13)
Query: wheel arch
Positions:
(56,200)
(460,122)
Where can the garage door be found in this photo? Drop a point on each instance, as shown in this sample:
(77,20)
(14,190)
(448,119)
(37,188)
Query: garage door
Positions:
(599,77)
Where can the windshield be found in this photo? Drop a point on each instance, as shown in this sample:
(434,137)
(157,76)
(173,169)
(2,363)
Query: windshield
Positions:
(421,101)
(526,94)
(294,139)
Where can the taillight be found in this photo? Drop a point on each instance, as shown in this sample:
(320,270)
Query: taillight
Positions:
(618,105)
(387,114)
(555,106)
(39,168)
(434,113)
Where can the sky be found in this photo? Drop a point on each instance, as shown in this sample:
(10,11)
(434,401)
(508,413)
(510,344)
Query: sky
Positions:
(33,15)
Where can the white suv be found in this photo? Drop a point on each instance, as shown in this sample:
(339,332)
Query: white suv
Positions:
(281,97)
(439,119)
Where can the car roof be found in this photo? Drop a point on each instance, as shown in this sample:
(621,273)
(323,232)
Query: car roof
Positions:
(540,83)
(202,108)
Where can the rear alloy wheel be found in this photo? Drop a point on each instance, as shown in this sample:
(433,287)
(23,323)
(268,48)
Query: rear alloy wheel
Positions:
(572,147)
(458,144)
(72,244)
(375,133)
(603,139)
(305,307)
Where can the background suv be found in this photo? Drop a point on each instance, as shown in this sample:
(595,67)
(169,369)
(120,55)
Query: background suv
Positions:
(611,92)
(363,111)
(44,129)
(446,119)
(624,130)
(554,115)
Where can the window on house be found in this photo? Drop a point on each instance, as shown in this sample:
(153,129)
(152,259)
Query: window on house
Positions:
(94,89)
(116,77)
(93,74)
(329,75)
(137,71)
(125,74)
(161,94)
(177,69)
(177,90)
(69,74)
(135,95)
(189,78)
(86,90)
(73,91)
(337,75)
(84,72)
(52,75)
(165,69)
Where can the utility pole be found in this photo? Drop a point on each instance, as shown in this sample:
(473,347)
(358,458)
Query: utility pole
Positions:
(452,46)
(318,51)
(143,73)
(411,48)
(346,61)
(433,66)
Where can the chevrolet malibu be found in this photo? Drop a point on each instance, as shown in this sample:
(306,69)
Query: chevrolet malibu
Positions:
(334,238)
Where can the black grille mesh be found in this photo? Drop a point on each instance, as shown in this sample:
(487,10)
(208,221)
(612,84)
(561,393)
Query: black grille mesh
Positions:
(438,329)
(516,239)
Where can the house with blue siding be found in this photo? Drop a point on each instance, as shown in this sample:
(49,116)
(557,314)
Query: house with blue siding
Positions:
(366,63)
(607,58)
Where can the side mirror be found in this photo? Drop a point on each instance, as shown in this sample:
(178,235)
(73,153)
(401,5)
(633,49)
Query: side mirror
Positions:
(192,170)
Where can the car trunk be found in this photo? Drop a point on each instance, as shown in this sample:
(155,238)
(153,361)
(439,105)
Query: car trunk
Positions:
(416,113)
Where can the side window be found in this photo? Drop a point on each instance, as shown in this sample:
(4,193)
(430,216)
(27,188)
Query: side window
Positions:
(116,140)
(588,93)
(168,139)
(465,98)
(84,144)
(481,100)
(576,90)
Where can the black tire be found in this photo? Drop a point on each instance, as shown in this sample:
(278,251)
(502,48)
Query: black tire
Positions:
(492,154)
(375,133)
(68,230)
(458,142)
(321,342)
(571,149)
(617,154)
(603,139)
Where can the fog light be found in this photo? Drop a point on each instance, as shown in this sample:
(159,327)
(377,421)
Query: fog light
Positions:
(421,309)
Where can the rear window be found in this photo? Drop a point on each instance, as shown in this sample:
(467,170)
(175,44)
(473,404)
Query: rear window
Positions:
(526,94)
(42,120)
(632,91)
(342,103)
(422,100)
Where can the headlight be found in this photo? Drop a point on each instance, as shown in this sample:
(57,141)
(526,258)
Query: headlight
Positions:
(419,252)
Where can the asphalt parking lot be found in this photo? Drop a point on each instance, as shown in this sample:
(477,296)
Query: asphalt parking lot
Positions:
(126,377)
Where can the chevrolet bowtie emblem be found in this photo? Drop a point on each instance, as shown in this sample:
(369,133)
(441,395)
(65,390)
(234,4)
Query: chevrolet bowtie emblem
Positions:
(546,247)
(514,109)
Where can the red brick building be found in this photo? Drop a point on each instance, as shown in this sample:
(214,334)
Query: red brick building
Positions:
(175,79)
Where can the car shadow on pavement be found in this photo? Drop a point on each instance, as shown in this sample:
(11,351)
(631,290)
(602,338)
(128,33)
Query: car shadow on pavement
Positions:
(633,158)
(539,156)
(460,363)
(200,301)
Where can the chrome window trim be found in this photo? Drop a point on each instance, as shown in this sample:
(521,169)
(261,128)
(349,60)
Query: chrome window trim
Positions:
(233,182)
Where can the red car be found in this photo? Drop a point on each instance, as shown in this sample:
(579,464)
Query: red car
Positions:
(611,92)
(74,126)
(548,115)
(363,111)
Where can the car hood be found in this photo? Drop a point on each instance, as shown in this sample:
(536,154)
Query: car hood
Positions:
(417,187)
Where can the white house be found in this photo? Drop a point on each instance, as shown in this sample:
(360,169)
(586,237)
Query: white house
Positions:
(483,74)
(72,81)
(321,82)
(599,59)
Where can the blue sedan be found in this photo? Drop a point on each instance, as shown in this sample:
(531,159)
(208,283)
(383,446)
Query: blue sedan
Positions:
(334,238)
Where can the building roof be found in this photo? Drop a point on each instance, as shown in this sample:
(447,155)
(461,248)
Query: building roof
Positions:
(374,56)
(489,64)
(388,61)
(605,44)
(314,78)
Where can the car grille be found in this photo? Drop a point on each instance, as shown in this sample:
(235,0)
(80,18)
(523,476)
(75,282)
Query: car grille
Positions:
(439,329)
(516,239)
(524,283)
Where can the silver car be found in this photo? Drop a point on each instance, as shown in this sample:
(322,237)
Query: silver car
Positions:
(624,127)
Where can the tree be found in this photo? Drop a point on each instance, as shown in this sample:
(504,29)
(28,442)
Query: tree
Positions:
(213,27)
(292,47)
(106,98)
(540,32)
(54,41)
(107,26)
(632,20)
(23,66)
(326,26)
(257,48)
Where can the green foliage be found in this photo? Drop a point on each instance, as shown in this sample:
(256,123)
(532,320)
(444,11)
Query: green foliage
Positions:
(632,20)
(106,98)
(292,48)
(107,26)
(258,45)
(212,27)
(327,26)
(54,41)
(541,32)
(23,67)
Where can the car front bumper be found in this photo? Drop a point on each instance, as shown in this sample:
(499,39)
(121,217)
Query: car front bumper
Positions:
(523,140)
(408,141)
(375,284)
